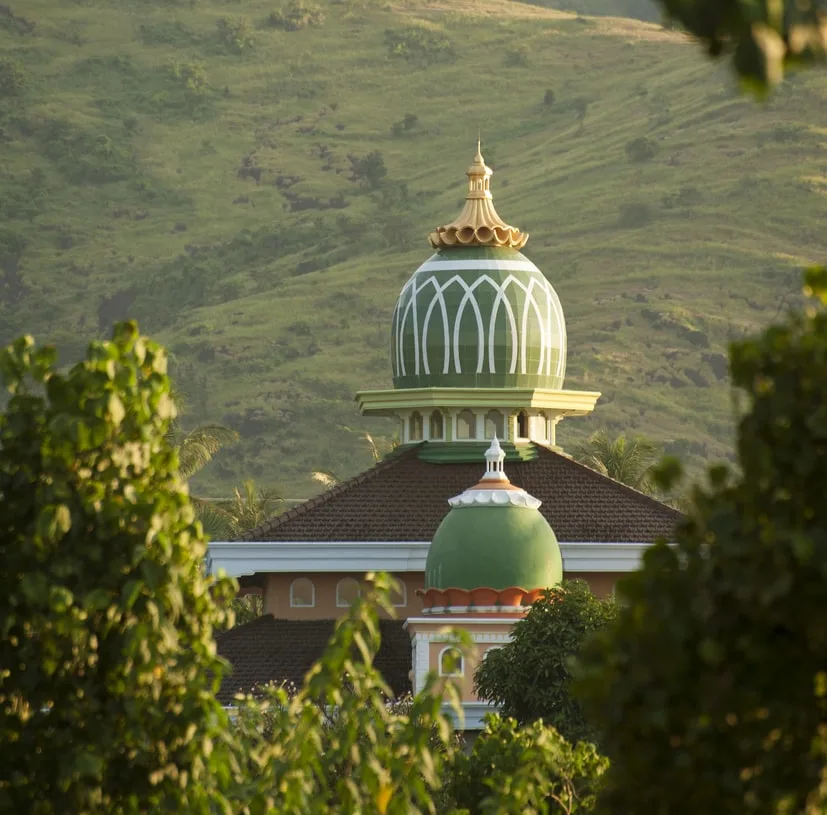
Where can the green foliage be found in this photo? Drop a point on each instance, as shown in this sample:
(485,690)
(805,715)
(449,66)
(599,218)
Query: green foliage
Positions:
(549,97)
(84,157)
(641,149)
(530,677)
(12,78)
(628,460)
(710,686)
(425,46)
(235,34)
(369,169)
(336,745)
(518,57)
(197,447)
(764,39)
(109,670)
(525,769)
(404,125)
(295,15)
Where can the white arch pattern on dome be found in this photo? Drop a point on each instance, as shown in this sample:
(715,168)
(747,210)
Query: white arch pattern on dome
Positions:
(537,282)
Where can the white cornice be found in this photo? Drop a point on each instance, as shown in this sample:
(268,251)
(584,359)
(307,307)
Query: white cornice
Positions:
(245,558)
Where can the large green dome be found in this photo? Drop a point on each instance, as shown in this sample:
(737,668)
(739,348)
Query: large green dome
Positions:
(493,547)
(478,317)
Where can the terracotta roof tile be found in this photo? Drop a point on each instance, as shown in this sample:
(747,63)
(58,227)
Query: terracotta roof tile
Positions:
(270,650)
(404,499)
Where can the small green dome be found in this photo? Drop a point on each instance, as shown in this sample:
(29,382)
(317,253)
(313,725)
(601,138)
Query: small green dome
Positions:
(478,317)
(493,546)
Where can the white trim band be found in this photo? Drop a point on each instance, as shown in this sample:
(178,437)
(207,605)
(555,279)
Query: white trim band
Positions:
(278,557)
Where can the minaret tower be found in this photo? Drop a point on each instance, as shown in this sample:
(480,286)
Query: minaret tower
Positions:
(478,342)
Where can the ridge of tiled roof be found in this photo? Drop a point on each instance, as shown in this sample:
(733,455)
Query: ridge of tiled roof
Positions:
(269,649)
(404,498)
(330,494)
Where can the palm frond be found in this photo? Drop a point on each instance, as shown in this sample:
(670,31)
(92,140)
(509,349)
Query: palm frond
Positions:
(197,448)
(325,477)
(218,524)
(628,460)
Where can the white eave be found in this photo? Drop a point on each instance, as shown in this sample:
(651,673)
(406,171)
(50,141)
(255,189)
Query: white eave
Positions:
(245,558)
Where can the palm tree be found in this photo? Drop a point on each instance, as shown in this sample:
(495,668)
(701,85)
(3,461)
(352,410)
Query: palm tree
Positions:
(249,508)
(628,460)
(197,447)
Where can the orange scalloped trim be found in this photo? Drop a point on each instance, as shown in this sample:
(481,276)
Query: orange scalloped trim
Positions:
(481,597)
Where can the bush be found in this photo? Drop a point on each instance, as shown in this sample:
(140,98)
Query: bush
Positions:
(404,125)
(235,34)
(109,669)
(529,678)
(518,57)
(296,15)
(641,149)
(12,78)
(419,44)
(529,768)
(369,169)
(549,97)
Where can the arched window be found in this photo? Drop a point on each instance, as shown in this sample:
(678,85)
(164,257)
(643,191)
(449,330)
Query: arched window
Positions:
(466,425)
(347,592)
(400,598)
(415,427)
(451,662)
(302,593)
(494,424)
(437,426)
(522,425)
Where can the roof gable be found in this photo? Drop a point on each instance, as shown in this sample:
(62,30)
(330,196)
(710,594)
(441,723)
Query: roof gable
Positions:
(404,498)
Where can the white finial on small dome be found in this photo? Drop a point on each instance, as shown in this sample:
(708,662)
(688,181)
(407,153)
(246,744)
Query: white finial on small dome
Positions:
(494,458)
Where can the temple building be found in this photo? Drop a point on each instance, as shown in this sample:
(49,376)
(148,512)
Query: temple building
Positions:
(478,352)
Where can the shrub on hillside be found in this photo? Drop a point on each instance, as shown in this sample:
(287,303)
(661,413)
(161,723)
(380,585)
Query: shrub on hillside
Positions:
(404,125)
(641,149)
(419,44)
(517,57)
(369,169)
(295,15)
(12,78)
(635,215)
(235,34)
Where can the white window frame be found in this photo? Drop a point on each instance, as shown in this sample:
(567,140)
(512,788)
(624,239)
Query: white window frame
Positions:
(430,419)
(339,603)
(404,594)
(460,663)
(312,603)
(475,425)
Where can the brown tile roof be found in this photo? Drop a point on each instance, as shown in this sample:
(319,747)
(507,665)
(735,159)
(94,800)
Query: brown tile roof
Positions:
(404,499)
(270,650)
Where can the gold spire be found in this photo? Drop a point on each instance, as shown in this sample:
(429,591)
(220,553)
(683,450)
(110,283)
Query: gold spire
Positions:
(478,224)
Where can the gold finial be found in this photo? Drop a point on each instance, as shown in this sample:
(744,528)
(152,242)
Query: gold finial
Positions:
(478,224)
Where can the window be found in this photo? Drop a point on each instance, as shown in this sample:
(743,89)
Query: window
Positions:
(466,425)
(437,426)
(302,593)
(494,424)
(400,598)
(522,425)
(451,662)
(347,592)
(415,426)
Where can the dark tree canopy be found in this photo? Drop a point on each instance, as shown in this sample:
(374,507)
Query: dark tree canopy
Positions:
(711,686)
(108,661)
(530,677)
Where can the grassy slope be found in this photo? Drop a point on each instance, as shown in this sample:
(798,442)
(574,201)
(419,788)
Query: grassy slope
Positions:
(121,185)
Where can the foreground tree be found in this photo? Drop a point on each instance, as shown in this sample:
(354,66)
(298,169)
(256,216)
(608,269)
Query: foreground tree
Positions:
(711,686)
(529,678)
(764,37)
(108,663)
(628,460)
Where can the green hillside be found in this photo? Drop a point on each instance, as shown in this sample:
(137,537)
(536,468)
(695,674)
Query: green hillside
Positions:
(206,170)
